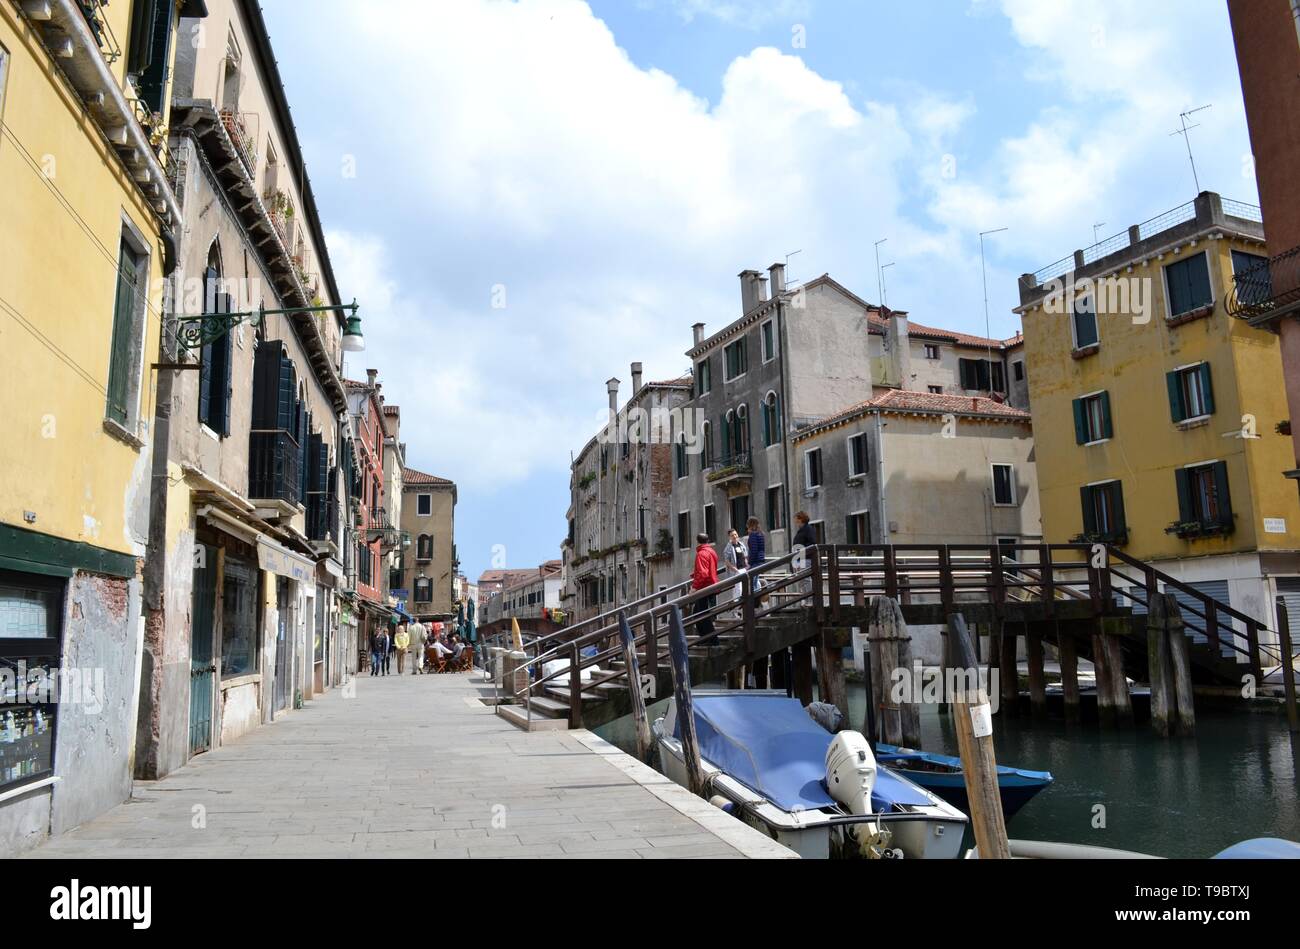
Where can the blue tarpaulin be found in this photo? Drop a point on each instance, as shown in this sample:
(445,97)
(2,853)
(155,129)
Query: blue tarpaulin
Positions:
(770,744)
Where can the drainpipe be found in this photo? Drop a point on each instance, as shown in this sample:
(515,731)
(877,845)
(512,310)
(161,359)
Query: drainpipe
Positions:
(880,480)
(783,413)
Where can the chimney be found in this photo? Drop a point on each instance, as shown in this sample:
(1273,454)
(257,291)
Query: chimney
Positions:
(371,376)
(698,331)
(753,289)
(898,342)
(612,386)
(636,380)
(777,273)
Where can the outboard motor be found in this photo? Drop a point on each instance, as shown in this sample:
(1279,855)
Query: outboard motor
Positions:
(850,778)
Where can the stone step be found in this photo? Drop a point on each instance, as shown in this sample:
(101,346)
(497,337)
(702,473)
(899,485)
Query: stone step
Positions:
(517,715)
(551,708)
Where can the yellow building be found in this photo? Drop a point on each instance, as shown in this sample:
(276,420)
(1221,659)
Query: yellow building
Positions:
(1156,415)
(87,239)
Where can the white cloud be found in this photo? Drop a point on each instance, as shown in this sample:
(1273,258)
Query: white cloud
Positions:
(750,14)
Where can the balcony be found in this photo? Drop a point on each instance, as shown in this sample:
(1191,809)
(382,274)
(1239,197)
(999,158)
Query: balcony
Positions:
(274,467)
(245,141)
(1268,291)
(93,11)
(733,470)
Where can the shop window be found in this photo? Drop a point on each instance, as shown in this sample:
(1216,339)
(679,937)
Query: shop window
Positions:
(31,636)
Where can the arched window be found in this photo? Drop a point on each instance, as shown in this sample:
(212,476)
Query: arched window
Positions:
(706,434)
(742,430)
(728,436)
(424,547)
(215,358)
(771,420)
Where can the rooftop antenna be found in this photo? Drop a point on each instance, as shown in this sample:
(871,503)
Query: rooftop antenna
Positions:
(880,288)
(1182,117)
(1095,228)
(884,286)
(788,280)
(983,273)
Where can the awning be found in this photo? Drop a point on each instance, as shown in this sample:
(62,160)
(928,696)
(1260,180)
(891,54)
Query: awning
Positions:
(280,560)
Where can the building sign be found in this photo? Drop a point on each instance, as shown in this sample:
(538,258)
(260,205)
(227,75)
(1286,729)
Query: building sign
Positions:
(279,560)
(402,594)
(1275,525)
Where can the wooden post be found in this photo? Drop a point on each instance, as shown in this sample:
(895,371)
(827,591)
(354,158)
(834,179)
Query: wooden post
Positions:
(747,610)
(803,671)
(681,671)
(1112,631)
(1159,670)
(652,647)
(1008,673)
(1180,665)
(890,649)
(777,677)
(1037,678)
(833,582)
(575,687)
(1288,664)
(633,672)
(975,740)
(830,675)
(1069,658)
(1102,674)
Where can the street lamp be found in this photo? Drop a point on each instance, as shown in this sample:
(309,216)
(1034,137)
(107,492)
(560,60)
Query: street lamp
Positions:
(195,332)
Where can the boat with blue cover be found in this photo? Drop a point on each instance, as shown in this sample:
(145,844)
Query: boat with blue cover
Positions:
(768,763)
(943,775)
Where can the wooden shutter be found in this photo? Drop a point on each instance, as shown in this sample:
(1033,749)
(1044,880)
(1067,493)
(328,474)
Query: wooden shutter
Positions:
(220,385)
(1183,482)
(1221,489)
(1116,489)
(1107,428)
(1206,387)
(726,440)
(1080,422)
(153,76)
(965,374)
(119,369)
(1177,408)
(1089,510)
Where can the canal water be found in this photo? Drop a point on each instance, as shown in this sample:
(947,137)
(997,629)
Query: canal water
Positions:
(1125,788)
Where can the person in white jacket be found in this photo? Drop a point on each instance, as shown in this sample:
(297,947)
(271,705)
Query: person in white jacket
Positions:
(736,555)
(418,639)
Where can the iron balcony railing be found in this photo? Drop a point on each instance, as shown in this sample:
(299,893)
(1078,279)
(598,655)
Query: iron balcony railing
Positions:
(1268,290)
(274,466)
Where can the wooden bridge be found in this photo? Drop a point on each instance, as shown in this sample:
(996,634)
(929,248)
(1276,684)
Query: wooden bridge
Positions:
(1090,601)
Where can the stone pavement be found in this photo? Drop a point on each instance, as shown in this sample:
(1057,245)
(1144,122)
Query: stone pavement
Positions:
(411,767)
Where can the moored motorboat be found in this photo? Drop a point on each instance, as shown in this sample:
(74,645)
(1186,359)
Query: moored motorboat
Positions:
(943,775)
(768,763)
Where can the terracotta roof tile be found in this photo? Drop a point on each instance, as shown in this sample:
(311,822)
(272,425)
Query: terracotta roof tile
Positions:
(411,476)
(905,400)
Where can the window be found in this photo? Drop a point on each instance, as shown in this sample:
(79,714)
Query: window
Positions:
(857,528)
(741,431)
(1188,283)
(703,378)
(736,360)
(423,590)
(684,530)
(1253,277)
(424,548)
(812,468)
(682,460)
(423,505)
(1191,396)
(128,330)
(857,456)
(1092,421)
(739,509)
(1004,485)
(215,362)
(937,390)
(1083,324)
(31,634)
(240,607)
(149,50)
(1018,370)
(775,509)
(931,351)
(981,375)
(819,532)
(771,420)
(710,522)
(769,341)
(4,73)
(706,440)
(1103,512)
(1203,497)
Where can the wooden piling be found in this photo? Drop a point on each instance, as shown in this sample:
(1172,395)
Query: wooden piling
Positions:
(1037,677)
(890,648)
(1008,673)
(1068,651)
(1180,665)
(830,675)
(639,717)
(974,722)
(1112,631)
(1160,671)
(801,656)
(1288,664)
(680,666)
(1101,673)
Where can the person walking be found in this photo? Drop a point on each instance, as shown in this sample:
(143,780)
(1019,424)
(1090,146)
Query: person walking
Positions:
(704,575)
(418,639)
(378,650)
(389,649)
(401,643)
(736,555)
(757,546)
(803,537)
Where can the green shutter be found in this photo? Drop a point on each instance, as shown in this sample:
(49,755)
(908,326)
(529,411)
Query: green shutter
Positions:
(726,441)
(1221,488)
(1080,423)
(849,537)
(1176,407)
(1121,522)
(1107,428)
(1207,387)
(119,367)
(1089,512)
(153,77)
(1184,485)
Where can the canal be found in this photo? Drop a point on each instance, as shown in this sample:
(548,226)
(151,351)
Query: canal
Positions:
(1126,788)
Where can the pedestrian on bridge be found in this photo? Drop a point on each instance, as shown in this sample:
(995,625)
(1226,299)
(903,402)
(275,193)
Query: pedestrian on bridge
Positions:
(736,554)
(704,575)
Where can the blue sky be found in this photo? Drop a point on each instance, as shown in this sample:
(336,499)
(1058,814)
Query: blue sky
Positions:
(605,169)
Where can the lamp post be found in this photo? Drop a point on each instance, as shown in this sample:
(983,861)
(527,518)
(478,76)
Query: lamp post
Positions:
(195,332)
